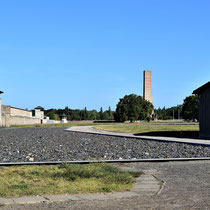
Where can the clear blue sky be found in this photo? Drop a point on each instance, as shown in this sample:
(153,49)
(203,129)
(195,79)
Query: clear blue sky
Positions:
(91,53)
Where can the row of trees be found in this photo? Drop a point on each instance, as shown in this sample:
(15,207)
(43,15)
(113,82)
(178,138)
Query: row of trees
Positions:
(189,110)
(129,108)
(78,114)
(132,108)
(174,112)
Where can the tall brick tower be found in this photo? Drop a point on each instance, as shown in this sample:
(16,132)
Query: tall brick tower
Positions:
(147,95)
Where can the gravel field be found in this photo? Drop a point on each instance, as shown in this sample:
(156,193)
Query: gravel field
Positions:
(55,144)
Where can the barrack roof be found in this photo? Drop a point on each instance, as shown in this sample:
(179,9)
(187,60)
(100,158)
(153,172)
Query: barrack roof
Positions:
(202,88)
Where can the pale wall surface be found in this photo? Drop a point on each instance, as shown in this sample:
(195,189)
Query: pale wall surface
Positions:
(14,116)
(8,120)
(39,114)
(20,112)
(147,94)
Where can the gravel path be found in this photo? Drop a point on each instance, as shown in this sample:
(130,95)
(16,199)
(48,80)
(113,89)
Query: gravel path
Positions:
(55,144)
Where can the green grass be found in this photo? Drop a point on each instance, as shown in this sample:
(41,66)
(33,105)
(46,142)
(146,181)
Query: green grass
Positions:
(16,181)
(177,129)
(69,124)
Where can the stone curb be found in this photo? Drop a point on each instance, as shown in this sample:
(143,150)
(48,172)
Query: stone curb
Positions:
(103,161)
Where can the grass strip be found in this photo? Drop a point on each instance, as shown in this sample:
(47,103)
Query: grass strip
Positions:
(16,181)
(146,127)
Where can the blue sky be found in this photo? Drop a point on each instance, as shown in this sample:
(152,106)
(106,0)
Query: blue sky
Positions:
(91,53)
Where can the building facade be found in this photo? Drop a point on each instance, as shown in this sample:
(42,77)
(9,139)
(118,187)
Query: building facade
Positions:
(204,110)
(11,116)
(16,116)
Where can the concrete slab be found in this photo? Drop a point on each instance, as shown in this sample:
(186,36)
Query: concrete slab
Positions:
(6,201)
(90,129)
(93,197)
(121,195)
(53,198)
(29,200)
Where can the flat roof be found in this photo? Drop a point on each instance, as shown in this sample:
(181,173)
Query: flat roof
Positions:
(202,88)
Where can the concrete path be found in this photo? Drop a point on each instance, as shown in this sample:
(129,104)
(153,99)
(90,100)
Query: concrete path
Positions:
(90,129)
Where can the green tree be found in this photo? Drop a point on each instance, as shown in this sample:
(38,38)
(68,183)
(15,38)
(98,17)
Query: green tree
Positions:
(133,107)
(110,114)
(85,114)
(190,108)
(101,114)
(93,115)
(53,115)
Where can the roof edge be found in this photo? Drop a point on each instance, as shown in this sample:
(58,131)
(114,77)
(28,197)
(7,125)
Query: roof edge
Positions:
(202,88)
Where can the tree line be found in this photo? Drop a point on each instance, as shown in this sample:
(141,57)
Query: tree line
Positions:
(189,110)
(132,108)
(80,114)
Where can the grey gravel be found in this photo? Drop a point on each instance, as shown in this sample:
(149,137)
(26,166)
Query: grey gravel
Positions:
(55,144)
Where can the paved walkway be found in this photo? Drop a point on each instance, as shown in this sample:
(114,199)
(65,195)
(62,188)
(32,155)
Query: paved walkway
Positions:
(90,129)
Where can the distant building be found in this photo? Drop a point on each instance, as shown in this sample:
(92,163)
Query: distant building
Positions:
(204,109)
(39,113)
(63,118)
(10,116)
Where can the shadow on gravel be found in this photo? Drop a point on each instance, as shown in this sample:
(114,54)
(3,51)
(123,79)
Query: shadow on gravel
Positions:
(177,134)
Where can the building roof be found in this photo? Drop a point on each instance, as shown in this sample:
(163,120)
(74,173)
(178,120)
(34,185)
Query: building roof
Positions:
(202,88)
(1,92)
(39,107)
(63,115)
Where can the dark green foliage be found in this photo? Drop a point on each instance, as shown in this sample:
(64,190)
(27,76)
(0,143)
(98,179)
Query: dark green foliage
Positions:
(101,114)
(169,113)
(52,114)
(133,107)
(77,114)
(190,109)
